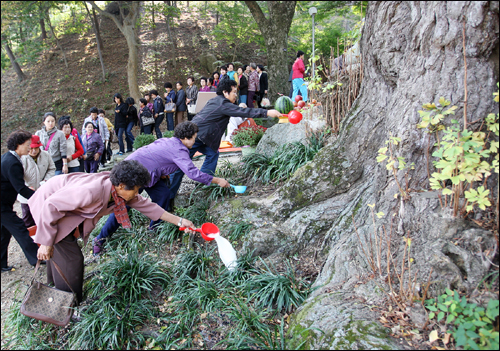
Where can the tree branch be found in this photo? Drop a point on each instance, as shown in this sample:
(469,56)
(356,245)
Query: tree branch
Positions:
(257,13)
(106,14)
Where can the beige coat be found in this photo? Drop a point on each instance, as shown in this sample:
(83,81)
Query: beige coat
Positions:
(71,149)
(36,172)
(67,200)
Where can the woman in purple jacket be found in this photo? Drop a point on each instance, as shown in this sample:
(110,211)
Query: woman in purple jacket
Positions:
(94,148)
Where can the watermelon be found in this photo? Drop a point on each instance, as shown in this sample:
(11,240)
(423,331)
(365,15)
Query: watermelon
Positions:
(284,105)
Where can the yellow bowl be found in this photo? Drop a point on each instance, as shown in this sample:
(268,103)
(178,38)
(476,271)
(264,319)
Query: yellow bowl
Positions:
(283,119)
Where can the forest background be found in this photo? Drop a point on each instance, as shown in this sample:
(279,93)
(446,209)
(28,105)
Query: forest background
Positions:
(67,56)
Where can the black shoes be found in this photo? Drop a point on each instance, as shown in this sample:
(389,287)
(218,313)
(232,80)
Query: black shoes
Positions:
(7,269)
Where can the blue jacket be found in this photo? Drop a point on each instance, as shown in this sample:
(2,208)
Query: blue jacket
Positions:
(158,105)
(180,101)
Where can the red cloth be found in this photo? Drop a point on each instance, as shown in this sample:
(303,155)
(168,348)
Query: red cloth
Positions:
(247,123)
(298,69)
(78,148)
(120,210)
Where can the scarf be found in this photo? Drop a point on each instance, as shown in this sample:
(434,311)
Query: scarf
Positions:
(120,210)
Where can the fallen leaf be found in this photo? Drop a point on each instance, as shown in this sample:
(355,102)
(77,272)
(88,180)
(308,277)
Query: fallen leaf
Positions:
(433,336)
(203,315)
(446,338)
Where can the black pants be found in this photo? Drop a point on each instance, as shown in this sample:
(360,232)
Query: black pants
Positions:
(69,257)
(12,225)
(148,129)
(158,121)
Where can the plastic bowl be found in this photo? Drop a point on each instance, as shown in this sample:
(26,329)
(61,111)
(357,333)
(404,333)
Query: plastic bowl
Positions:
(239,189)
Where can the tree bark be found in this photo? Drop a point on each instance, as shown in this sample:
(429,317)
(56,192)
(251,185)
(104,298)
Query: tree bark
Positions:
(20,74)
(57,40)
(171,35)
(275,32)
(43,36)
(127,25)
(95,26)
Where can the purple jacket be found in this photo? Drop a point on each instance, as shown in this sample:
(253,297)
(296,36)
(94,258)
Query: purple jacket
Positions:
(93,144)
(164,157)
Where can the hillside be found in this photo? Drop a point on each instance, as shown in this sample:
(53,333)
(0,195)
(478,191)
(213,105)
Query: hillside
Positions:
(73,90)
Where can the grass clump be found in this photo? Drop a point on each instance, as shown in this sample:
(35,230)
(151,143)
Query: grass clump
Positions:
(284,162)
(143,140)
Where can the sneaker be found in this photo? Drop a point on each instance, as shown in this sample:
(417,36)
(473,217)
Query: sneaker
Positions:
(98,246)
(120,153)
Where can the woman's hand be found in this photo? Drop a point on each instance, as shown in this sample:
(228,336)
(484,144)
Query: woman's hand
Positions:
(273,113)
(221,182)
(84,156)
(65,169)
(96,156)
(45,252)
(188,101)
(188,224)
(117,111)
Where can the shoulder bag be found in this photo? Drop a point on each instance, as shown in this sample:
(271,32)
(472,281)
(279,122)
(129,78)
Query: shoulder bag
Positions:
(49,304)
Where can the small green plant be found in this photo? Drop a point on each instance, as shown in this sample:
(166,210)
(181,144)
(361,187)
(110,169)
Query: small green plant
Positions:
(239,230)
(471,325)
(395,163)
(249,135)
(270,288)
(168,134)
(462,158)
(143,140)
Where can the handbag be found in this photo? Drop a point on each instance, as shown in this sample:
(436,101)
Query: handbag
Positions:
(191,109)
(170,107)
(49,304)
(147,120)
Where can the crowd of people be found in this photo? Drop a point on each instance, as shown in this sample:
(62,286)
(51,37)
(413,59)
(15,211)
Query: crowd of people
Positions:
(65,200)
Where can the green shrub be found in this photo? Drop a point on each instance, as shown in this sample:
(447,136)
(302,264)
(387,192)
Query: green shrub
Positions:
(473,326)
(168,134)
(143,140)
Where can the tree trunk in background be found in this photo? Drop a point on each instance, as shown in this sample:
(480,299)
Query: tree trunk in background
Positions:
(20,74)
(43,36)
(127,25)
(171,35)
(95,26)
(57,40)
(275,29)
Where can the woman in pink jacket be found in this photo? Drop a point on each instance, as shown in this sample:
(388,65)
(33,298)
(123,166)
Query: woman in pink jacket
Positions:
(58,215)
(298,76)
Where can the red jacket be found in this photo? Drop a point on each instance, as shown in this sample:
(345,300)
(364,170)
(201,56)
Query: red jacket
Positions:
(298,69)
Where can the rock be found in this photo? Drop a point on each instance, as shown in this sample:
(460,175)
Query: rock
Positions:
(206,62)
(280,134)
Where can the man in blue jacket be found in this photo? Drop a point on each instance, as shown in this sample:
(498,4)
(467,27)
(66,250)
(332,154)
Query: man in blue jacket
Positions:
(212,122)
(158,111)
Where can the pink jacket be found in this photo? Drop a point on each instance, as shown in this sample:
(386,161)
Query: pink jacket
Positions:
(65,201)
(298,69)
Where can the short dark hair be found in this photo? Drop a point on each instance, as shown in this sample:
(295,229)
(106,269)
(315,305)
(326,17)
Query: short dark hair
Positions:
(153,92)
(86,124)
(192,79)
(213,74)
(63,122)
(47,114)
(229,64)
(203,78)
(131,101)
(94,110)
(300,53)
(226,85)
(168,85)
(224,68)
(130,173)
(185,130)
(211,81)
(143,100)
(119,96)
(180,83)
(101,111)
(17,138)
(244,67)
(62,118)
(261,67)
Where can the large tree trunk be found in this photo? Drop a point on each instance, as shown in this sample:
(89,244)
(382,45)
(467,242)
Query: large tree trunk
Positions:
(171,34)
(127,25)
(43,36)
(412,54)
(20,74)
(275,32)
